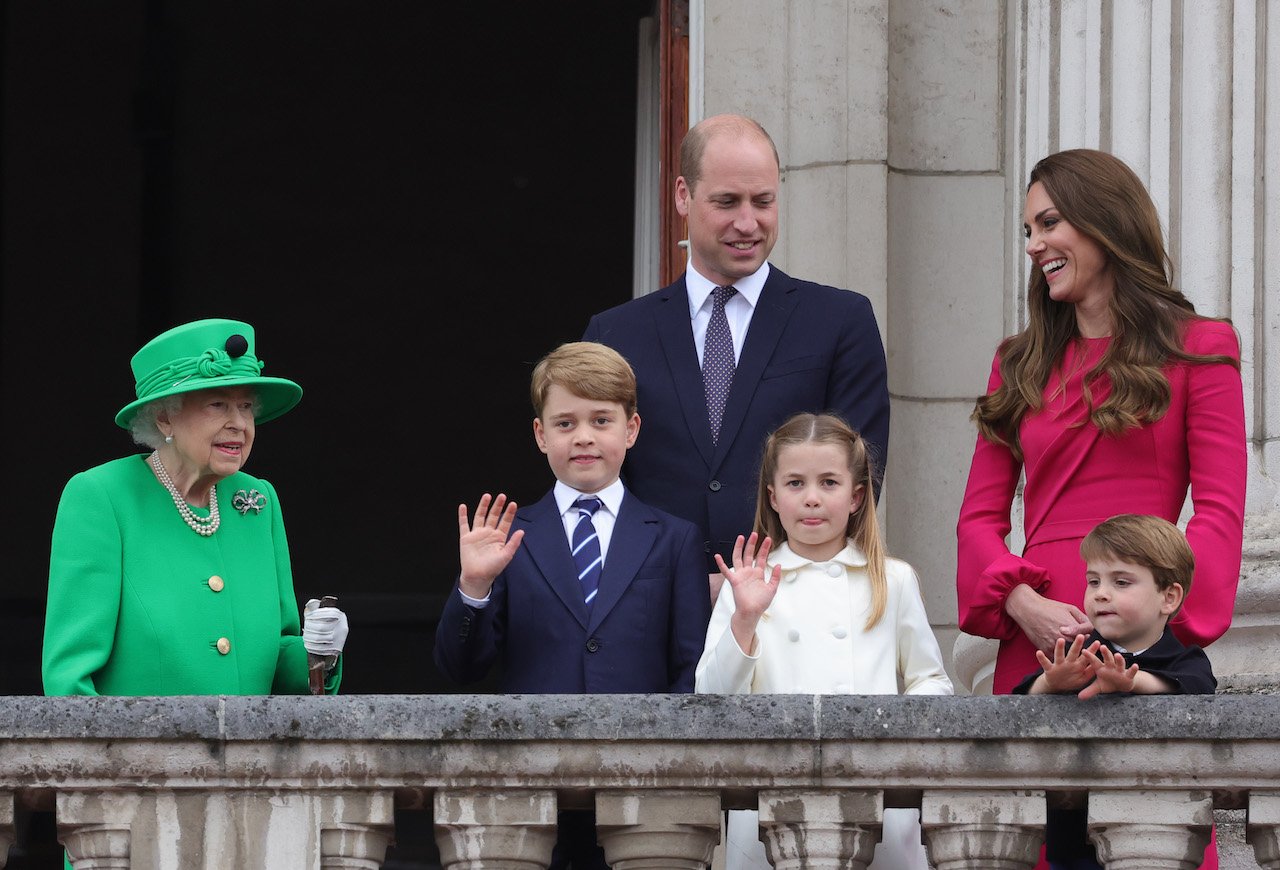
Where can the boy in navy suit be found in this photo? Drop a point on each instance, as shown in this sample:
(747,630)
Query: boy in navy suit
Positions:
(639,623)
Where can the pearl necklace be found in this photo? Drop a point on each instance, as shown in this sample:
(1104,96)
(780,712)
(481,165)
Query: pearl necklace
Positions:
(203,526)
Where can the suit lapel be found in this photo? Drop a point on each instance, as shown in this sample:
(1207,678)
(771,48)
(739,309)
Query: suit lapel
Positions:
(548,547)
(634,534)
(773,309)
(675,331)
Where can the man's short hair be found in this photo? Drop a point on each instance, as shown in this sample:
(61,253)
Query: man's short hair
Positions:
(695,142)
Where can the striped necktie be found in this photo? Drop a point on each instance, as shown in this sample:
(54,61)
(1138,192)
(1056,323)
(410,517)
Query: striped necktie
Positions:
(586,548)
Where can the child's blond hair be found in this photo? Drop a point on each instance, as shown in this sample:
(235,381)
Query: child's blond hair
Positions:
(863,526)
(587,369)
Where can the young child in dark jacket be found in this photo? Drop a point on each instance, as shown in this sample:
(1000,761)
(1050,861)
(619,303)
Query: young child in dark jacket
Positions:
(1138,573)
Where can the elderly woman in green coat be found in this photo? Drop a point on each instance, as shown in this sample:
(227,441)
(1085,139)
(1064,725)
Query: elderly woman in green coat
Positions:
(169,572)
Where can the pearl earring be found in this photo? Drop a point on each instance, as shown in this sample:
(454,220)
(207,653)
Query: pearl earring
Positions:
(168,439)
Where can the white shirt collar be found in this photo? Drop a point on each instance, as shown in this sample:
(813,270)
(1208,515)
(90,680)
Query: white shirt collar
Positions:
(850,557)
(611,496)
(699,287)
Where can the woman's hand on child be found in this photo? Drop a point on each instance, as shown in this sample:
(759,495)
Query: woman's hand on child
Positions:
(1044,620)
(484,547)
(1109,672)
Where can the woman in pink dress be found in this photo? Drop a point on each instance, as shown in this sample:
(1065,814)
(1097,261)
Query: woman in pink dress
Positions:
(1116,398)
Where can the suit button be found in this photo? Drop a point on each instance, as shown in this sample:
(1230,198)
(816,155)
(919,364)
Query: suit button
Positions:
(215,583)
(714,486)
(593,645)
(224,645)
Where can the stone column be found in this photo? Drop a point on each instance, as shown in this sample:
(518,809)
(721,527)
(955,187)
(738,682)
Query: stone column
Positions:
(206,829)
(658,830)
(1137,830)
(1262,828)
(487,830)
(820,830)
(355,829)
(6,826)
(983,830)
(96,828)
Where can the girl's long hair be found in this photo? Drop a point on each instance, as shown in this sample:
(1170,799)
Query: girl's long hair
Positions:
(863,526)
(1102,198)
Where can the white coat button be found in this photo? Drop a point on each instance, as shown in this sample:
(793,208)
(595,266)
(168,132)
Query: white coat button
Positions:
(793,635)
(840,632)
(835,569)
(789,577)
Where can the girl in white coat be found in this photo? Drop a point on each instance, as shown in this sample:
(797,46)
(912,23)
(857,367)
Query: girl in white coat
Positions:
(825,612)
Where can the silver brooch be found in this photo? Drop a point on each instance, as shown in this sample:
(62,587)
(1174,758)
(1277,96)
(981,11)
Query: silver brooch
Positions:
(243,501)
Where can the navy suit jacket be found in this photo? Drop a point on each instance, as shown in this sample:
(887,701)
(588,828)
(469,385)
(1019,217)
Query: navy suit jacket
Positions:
(809,348)
(644,632)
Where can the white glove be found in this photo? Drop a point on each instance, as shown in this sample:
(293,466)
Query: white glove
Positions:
(324,629)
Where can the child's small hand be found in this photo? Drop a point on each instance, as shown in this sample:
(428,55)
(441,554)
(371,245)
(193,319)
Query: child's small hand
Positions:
(753,588)
(484,548)
(1068,670)
(1109,672)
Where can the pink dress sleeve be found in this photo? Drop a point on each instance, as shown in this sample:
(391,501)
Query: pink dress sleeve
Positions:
(1216,452)
(985,569)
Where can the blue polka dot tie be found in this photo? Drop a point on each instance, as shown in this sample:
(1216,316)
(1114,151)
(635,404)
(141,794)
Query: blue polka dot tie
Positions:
(717,360)
(586,548)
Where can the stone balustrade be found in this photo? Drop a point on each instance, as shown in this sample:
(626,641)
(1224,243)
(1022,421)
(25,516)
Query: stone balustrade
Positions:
(303,782)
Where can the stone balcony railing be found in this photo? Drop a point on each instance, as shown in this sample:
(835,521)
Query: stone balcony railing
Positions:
(300,782)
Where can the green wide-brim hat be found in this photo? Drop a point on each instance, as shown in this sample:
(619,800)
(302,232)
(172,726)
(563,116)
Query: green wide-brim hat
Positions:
(202,355)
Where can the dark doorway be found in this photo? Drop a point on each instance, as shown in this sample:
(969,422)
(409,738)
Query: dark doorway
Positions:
(410,201)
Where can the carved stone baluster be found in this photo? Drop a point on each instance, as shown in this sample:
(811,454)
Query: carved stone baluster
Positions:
(662,830)
(6,826)
(817,830)
(983,830)
(355,830)
(1144,830)
(1262,828)
(96,828)
(486,830)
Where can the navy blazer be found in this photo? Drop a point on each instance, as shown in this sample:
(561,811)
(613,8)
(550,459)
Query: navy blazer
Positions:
(809,348)
(644,632)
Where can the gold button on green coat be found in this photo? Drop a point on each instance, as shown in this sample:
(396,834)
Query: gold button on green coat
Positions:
(215,583)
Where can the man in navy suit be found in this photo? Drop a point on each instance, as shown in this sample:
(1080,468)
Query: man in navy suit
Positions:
(799,346)
(631,617)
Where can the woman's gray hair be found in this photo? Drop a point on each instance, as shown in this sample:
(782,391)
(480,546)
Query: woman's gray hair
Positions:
(145,427)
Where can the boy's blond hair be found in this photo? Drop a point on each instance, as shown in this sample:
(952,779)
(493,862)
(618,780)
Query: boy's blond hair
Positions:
(1150,541)
(587,369)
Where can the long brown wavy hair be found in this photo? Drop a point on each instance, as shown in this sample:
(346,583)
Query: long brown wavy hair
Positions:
(1099,195)
(863,526)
